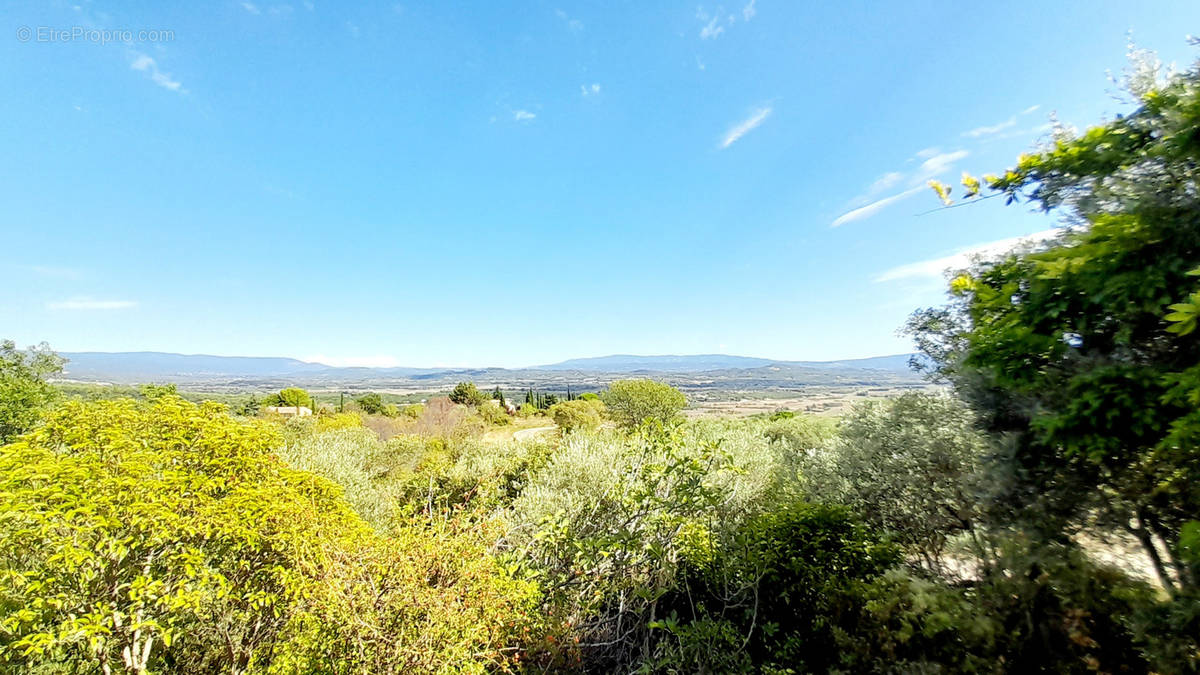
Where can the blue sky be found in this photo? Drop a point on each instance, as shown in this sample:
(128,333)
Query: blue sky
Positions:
(518,183)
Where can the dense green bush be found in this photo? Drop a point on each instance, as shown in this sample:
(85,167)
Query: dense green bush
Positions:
(776,594)
(493,414)
(169,538)
(352,457)
(632,402)
(585,415)
(910,466)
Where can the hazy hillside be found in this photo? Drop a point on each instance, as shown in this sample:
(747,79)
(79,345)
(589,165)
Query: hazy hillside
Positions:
(690,371)
(626,363)
(138,366)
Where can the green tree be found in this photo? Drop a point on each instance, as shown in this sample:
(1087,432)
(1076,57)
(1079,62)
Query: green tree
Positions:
(1081,357)
(909,466)
(631,402)
(577,415)
(466,393)
(153,392)
(251,407)
(371,403)
(24,392)
(290,397)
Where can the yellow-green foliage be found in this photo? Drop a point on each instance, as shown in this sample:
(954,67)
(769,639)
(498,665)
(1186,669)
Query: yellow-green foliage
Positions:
(493,414)
(430,599)
(578,415)
(352,457)
(338,421)
(631,402)
(145,536)
(130,529)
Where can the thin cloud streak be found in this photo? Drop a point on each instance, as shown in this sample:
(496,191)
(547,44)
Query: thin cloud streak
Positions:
(936,163)
(53,272)
(940,163)
(885,181)
(936,267)
(745,126)
(979,132)
(874,207)
(90,304)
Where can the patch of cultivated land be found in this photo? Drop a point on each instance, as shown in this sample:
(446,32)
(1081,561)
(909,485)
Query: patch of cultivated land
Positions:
(815,401)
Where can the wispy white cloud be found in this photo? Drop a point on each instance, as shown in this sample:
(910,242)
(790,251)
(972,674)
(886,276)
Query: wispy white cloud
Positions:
(997,130)
(939,163)
(935,163)
(54,272)
(251,7)
(874,207)
(590,90)
(354,361)
(934,268)
(86,303)
(745,126)
(713,25)
(143,63)
(712,29)
(885,181)
(523,115)
(993,129)
(572,24)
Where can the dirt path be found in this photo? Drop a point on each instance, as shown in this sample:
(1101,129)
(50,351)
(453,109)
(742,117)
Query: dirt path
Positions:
(525,434)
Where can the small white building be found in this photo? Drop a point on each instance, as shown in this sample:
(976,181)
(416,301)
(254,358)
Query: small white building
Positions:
(289,410)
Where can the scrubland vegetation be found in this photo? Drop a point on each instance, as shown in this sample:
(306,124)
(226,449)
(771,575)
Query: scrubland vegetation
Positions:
(928,533)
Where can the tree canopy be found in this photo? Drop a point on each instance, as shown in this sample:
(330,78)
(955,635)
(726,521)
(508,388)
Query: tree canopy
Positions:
(289,397)
(24,391)
(631,402)
(1081,355)
(466,393)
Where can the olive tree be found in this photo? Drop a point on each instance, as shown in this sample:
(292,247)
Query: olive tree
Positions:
(631,402)
(577,415)
(909,465)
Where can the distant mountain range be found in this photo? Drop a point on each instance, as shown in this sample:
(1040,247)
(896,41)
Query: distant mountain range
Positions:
(245,371)
(697,363)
